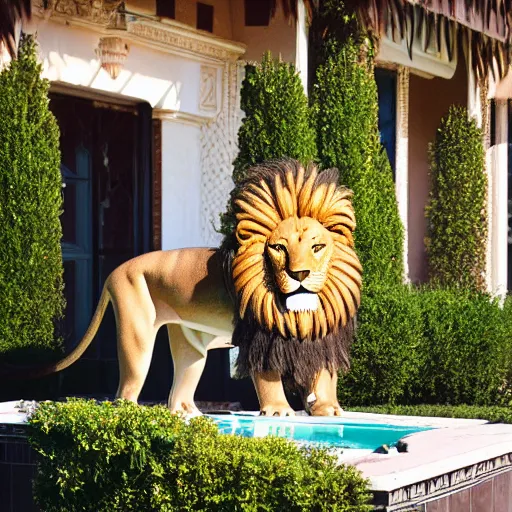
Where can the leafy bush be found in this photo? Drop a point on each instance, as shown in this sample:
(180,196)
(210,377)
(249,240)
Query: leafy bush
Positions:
(346,116)
(494,414)
(456,243)
(30,205)
(464,349)
(276,123)
(120,456)
(430,346)
(385,351)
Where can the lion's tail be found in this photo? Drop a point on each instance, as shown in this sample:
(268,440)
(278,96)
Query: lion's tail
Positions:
(36,372)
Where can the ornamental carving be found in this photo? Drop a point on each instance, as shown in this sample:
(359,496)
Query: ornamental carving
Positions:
(95,11)
(183,42)
(112,52)
(208,90)
(469,476)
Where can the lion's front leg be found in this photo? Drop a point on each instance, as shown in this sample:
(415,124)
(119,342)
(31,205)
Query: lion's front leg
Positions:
(322,400)
(269,388)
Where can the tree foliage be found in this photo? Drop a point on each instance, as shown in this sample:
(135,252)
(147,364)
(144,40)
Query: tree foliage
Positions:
(346,117)
(457,232)
(276,124)
(30,204)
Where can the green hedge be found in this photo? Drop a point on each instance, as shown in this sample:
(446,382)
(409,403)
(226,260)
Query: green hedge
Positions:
(30,204)
(430,346)
(494,414)
(456,243)
(276,124)
(465,344)
(384,355)
(346,116)
(120,456)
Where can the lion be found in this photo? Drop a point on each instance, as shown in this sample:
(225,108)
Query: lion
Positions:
(284,288)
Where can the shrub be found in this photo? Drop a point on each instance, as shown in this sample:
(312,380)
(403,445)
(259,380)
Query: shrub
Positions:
(456,243)
(464,349)
(276,123)
(30,205)
(120,456)
(346,115)
(385,351)
(430,346)
(494,414)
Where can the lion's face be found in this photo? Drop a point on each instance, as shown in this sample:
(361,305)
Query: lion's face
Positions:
(300,251)
(295,269)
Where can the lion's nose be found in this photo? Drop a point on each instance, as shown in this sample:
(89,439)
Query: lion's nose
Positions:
(300,275)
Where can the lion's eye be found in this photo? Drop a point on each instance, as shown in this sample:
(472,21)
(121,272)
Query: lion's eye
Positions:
(278,247)
(318,247)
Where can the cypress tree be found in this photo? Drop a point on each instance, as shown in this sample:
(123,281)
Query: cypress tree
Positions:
(346,114)
(276,124)
(30,204)
(456,242)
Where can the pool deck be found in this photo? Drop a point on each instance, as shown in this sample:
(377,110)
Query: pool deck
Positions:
(456,460)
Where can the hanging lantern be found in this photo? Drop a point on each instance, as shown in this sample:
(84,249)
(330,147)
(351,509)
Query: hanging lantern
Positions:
(112,52)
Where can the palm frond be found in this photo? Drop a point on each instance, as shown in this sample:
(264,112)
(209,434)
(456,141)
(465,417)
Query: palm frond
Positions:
(11,11)
(377,15)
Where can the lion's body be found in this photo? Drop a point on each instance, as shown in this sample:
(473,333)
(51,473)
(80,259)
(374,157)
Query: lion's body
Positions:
(284,291)
(183,289)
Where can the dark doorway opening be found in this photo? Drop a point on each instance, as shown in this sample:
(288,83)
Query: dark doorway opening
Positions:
(106,171)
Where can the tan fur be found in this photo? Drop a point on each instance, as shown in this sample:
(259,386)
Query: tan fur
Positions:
(183,289)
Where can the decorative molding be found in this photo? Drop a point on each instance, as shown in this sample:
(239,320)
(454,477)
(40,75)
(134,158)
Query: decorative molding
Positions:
(100,12)
(180,38)
(157,185)
(402,158)
(208,88)
(180,117)
(218,150)
(442,485)
(169,36)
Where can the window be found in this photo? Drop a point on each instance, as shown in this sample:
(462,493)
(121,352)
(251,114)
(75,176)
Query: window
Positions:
(386,90)
(205,17)
(257,13)
(166,8)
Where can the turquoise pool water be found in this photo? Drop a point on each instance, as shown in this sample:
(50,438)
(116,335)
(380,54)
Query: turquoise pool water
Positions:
(331,432)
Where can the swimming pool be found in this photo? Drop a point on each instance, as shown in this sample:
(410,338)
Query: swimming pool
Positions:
(329,432)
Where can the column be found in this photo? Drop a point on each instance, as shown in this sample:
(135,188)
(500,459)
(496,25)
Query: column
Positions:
(402,157)
(301,45)
(499,235)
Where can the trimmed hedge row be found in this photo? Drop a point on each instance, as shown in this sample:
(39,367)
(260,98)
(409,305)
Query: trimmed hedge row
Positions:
(121,456)
(430,346)
(494,414)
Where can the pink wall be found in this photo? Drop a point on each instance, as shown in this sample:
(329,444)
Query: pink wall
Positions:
(429,100)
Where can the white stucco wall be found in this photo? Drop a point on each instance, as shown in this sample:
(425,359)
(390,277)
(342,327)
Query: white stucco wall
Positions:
(183,75)
(68,55)
(181,185)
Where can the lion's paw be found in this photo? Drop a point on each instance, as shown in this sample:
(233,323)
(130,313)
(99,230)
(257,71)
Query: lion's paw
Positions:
(277,410)
(186,409)
(326,409)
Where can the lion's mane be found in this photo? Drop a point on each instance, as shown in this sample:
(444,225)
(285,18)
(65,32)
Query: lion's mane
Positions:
(297,344)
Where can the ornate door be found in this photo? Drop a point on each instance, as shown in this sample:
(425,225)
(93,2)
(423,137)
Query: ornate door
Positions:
(106,178)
